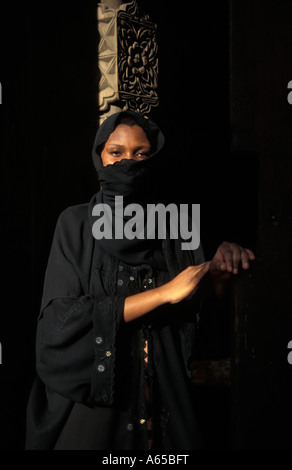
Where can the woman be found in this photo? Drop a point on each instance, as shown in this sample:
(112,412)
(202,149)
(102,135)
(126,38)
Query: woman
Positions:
(118,316)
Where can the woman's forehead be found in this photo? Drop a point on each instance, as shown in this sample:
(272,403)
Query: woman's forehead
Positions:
(125,134)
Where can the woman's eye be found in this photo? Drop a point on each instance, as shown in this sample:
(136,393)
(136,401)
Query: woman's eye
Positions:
(119,153)
(115,153)
(143,154)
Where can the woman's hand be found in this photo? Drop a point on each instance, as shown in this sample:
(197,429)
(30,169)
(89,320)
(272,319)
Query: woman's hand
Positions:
(229,259)
(184,283)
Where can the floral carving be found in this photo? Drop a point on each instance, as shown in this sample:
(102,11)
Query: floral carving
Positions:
(137,62)
(137,59)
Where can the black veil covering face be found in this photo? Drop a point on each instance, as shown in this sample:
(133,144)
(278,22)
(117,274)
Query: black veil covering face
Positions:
(135,181)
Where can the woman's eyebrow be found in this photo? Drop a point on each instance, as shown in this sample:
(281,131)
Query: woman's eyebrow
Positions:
(139,147)
(146,146)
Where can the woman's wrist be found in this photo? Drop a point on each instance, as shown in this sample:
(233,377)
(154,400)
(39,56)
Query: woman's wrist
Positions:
(140,304)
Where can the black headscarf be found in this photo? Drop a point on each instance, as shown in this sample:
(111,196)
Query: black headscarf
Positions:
(134,181)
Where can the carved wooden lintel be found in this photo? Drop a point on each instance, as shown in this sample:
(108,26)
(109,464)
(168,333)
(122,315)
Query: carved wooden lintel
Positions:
(137,61)
(127,58)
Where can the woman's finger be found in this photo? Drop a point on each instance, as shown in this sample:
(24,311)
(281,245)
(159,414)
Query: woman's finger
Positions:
(227,256)
(250,254)
(204,268)
(237,257)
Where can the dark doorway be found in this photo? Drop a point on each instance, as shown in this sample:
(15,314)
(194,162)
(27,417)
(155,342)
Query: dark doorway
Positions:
(224,111)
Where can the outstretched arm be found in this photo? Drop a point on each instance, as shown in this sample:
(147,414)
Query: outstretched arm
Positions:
(172,292)
(229,259)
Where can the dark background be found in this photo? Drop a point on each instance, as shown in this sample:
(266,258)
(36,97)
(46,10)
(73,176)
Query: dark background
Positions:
(223,74)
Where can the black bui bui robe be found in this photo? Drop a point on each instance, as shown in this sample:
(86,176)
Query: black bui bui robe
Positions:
(97,385)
